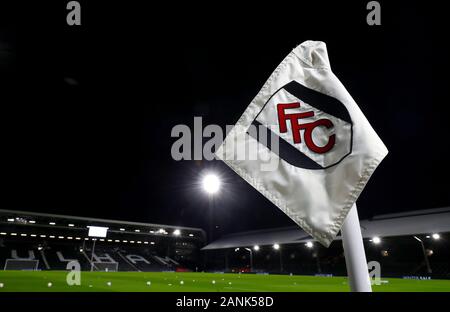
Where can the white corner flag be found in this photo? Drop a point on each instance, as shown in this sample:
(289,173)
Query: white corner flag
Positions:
(325,149)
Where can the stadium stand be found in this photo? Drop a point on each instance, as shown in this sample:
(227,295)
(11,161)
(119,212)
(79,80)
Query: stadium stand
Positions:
(34,241)
(30,241)
(394,240)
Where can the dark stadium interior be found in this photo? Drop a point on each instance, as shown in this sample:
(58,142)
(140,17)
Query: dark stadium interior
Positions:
(31,241)
(87,116)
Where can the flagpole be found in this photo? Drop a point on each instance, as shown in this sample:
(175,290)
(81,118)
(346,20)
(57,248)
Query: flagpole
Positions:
(355,256)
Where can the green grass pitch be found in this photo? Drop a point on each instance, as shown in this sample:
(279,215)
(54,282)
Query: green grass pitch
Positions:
(30,281)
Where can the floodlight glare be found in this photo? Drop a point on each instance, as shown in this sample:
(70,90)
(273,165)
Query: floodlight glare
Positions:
(211,183)
(436,236)
(276,246)
(176,232)
(376,240)
(256,248)
(309,244)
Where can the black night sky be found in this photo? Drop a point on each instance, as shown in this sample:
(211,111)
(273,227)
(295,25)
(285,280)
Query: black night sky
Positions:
(87,112)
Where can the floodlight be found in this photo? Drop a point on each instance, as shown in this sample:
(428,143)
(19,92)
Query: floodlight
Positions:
(256,248)
(309,245)
(376,240)
(436,236)
(276,246)
(177,232)
(211,183)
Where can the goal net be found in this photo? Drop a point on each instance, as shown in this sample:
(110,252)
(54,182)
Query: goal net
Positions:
(21,264)
(105,266)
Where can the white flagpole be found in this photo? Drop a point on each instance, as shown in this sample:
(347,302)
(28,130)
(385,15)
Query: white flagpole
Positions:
(355,256)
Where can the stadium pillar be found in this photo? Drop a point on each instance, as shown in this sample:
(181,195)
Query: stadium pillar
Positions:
(355,256)
(92,255)
(281,261)
(211,222)
(226,260)
(427,262)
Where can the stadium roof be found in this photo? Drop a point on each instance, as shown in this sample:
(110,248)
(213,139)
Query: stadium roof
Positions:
(34,219)
(397,224)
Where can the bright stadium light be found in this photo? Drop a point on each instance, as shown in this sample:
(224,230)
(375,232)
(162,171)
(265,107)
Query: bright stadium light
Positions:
(52,223)
(32,221)
(71,225)
(256,248)
(177,232)
(309,245)
(97,231)
(436,236)
(376,240)
(276,246)
(122,229)
(211,183)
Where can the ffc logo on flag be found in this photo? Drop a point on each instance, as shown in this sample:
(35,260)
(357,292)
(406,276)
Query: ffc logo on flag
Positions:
(326,150)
